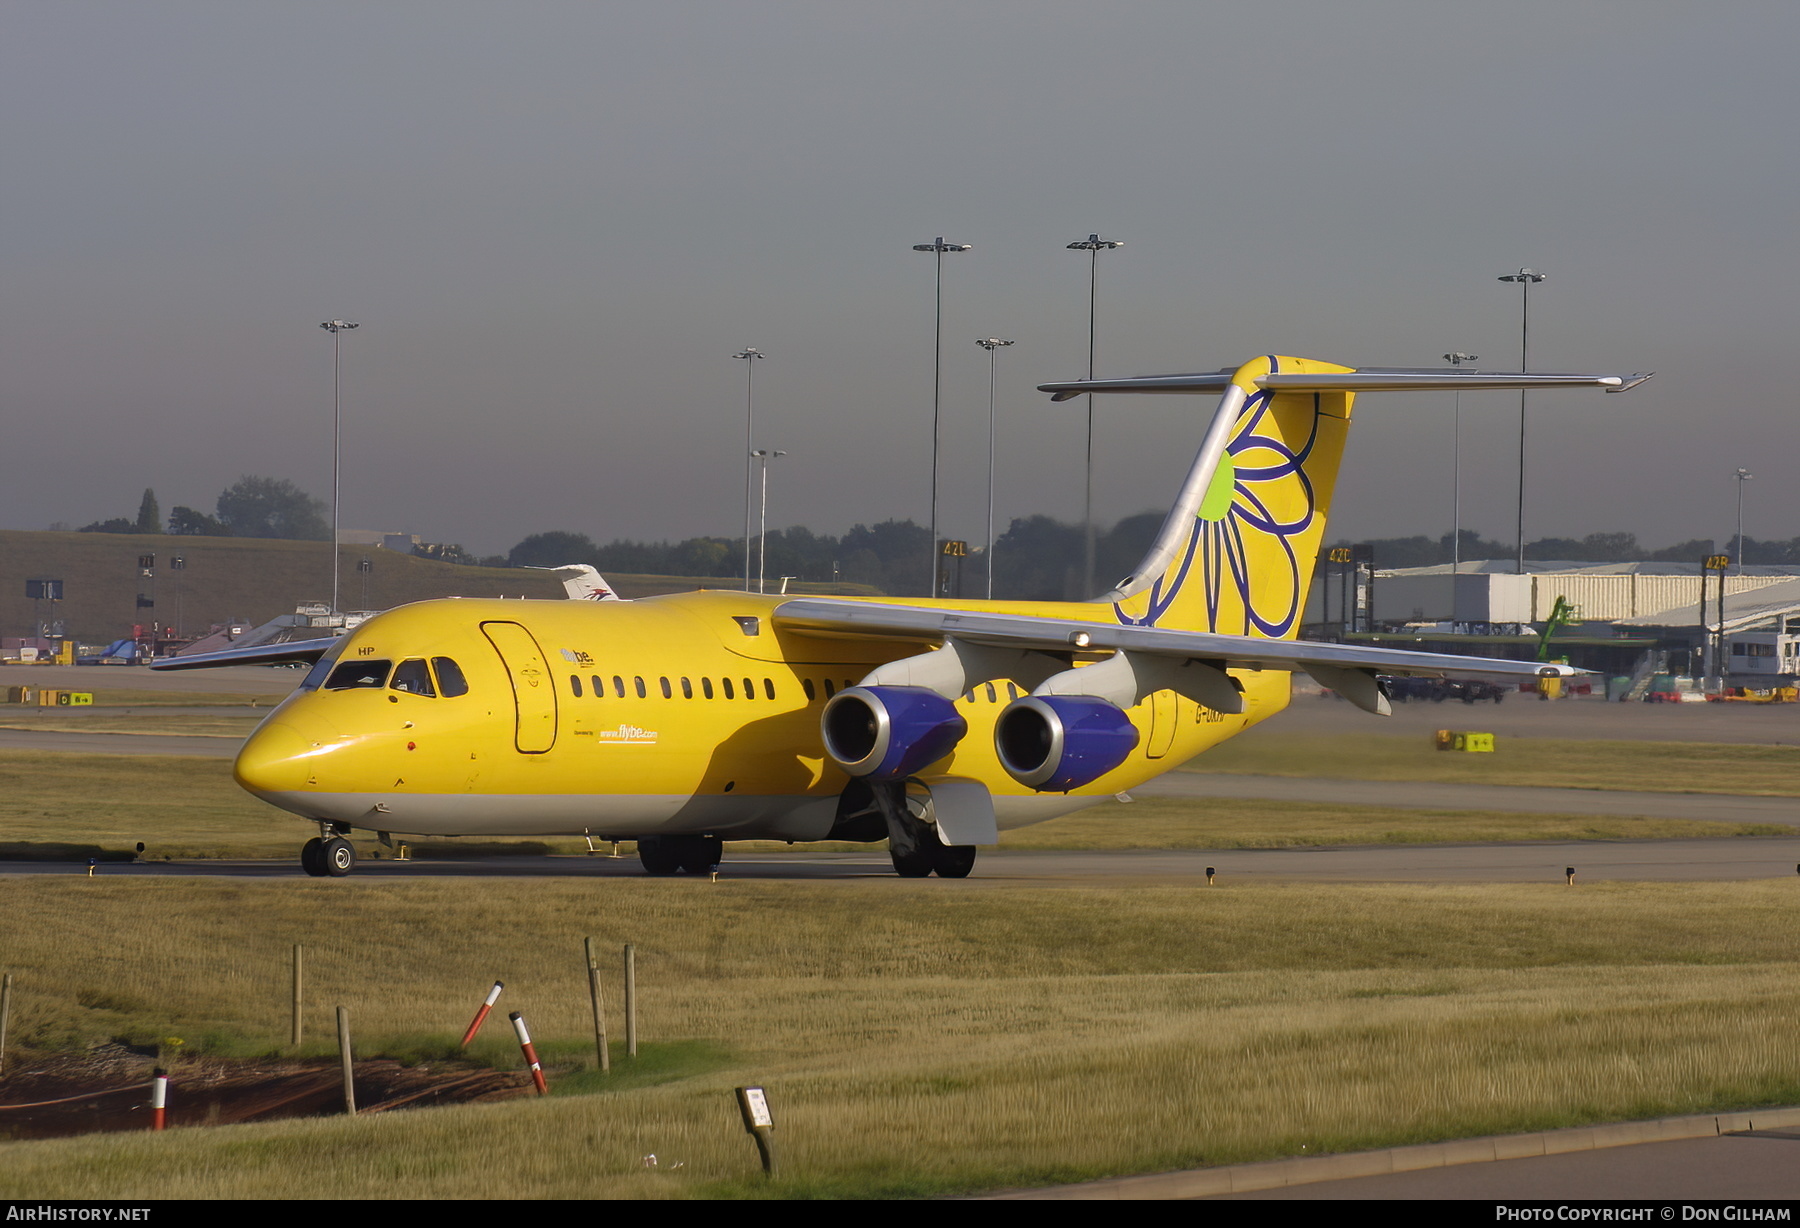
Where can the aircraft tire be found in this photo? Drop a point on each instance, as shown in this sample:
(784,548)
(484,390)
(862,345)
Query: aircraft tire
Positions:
(916,864)
(699,854)
(659,855)
(338,856)
(312,857)
(953,860)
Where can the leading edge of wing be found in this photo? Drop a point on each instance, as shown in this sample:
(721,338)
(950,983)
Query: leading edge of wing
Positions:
(1073,635)
(257,654)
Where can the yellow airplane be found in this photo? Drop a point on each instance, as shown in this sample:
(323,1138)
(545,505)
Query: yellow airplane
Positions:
(686,720)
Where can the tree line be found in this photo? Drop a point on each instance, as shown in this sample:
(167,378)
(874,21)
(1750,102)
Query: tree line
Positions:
(1422,551)
(250,507)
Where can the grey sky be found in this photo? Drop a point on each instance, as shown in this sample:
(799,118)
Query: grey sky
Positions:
(556,222)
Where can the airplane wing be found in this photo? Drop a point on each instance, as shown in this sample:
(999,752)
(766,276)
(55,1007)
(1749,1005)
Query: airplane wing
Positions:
(296,651)
(1349,669)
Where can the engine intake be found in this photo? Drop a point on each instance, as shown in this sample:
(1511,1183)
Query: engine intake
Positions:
(1055,743)
(886,733)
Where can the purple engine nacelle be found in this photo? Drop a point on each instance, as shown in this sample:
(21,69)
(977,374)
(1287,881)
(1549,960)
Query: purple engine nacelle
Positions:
(1055,743)
(887,733)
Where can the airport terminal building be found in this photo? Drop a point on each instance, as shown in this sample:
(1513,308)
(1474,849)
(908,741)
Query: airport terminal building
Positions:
(1619,619)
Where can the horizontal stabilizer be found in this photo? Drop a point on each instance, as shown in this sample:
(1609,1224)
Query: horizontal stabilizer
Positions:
(1365,379)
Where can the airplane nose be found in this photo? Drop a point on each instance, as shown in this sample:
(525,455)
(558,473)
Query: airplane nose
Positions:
(277,758)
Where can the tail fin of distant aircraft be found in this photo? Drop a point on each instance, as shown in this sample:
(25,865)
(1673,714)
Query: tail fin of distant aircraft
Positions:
(1236,553)
(584,583)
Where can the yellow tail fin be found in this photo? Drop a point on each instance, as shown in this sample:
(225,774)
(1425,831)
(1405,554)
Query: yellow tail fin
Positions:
(1241,563)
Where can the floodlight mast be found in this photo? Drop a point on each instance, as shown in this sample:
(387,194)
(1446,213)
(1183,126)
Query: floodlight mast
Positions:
(1093,245)
(763,457)
(938,247)
(1526,279)
(1456,358)
(1743,475)
(334,327)
(990,344)
(749,355)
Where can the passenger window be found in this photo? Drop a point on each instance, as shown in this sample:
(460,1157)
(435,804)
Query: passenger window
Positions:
(749,689)
(1012,692)
(353,674)
(451,682)
(706,687)
(667,693)
(575,684)
(640,686)
(599,687)
(828,690)
(729,692)
(618,686)
(992,698)
(769,687)
(687,689)
(807,686)
(413,678)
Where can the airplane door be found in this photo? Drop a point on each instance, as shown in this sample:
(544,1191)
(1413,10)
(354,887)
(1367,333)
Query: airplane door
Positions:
(1164,709)
(534,690)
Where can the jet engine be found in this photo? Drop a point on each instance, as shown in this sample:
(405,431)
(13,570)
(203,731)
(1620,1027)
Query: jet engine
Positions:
(887,733)
(1054,743)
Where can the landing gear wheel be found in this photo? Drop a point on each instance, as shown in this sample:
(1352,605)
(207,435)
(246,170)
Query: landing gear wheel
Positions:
(699,854)
(338,856)
(914,864)
(953,860)
(659,855)
(312,857)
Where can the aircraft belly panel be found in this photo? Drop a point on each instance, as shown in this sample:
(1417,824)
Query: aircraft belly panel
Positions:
(600,814)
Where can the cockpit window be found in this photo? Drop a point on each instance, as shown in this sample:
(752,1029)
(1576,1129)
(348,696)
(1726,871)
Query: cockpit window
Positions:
(451,682)
(353,674)
(321,667)
(414,678)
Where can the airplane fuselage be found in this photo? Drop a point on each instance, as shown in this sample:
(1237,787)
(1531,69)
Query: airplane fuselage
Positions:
(687,714)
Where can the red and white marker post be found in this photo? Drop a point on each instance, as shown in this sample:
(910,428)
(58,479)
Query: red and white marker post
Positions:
(159,1098)
(530,1051)
(482,1014)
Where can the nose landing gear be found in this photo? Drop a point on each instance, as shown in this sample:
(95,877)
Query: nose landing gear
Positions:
(328,855)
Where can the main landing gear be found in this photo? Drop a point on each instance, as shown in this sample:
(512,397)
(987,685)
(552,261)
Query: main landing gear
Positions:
(328,855)
(663,855)
(913,844)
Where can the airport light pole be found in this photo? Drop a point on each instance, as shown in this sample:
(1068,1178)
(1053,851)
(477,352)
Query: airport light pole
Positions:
(937,247)
(1456,358)
(1743,475)
(335,327)
(763,456)
(1093,245)
(750,355)
(1526,279)
(990,344)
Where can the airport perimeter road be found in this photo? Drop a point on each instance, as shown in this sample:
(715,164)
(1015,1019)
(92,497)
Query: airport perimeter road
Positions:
(1517,799)
(241,679)
(1647,860)
(1764,1164)
(118,743)
(1574,719)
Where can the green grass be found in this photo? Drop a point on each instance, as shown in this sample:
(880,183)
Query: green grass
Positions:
(1661,767)
(916,1037)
